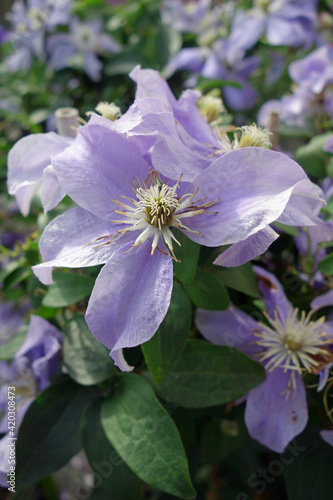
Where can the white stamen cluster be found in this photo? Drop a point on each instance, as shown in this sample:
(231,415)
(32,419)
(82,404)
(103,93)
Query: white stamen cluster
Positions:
(292,345)
(108,110)
(251,136)
(211,106)
(155,210)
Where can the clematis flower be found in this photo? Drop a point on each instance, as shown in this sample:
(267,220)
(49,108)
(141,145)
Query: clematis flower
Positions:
(29,372)
(127,210)
(315,71)
(29,166)
(218,61)
(291,345)
(285,22)
(86,41)
(308,242)
(30,21)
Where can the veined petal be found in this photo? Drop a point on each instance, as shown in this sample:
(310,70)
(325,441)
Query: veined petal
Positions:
(52,193)
(99,167)
(246,250)
(231,327)
(26,163)
(130,298)
(270,417)
(273,294)
(68,241)
(322,301)
(254,186)
(303,206)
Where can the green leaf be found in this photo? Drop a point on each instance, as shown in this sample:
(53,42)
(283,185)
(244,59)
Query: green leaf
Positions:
(164,349)
(110,470)
(16,277)
(326,265)
(312,157)
(242,278)
(68,289)
(87,361)
(168,42)
(49,434)
(188,255)
(207,292)
(205,85)
(122,64)
(291,230)
(308,473)
(10,349)
(210,375)
(146,437)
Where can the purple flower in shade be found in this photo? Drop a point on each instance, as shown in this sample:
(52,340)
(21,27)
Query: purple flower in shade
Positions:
(327,436)
(285,22)
(29,372)
(4,35)
(86,41)
(10,321)
(308,242)
(127,208)
(217,62)
(30,21)
(315,71)
(29,166)
(292,344)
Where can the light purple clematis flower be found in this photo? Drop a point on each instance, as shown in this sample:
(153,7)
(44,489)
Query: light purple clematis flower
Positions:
(308,242)
(292,344)
(29,372)
(29,165)
(30,21)
(315,71)
(85,40)
(218,62)
(127,208)
(285,22)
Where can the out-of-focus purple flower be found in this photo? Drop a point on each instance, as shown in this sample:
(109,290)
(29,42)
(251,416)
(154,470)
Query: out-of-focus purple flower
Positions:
(217,63)
(295,108)
(292,344)
(285,22)
(29,165)
(10,321)
(315,71)
(29,372)
(132,233)
(308,242)
(30,21)
(86,40)
(199,17)
(327,436)
(4,35)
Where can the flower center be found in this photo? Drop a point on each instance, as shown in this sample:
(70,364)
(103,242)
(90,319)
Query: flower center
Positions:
(155,209)
(292,344)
